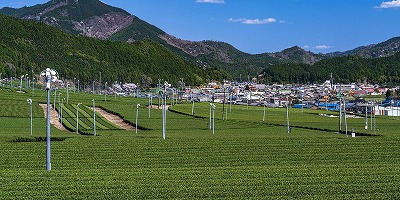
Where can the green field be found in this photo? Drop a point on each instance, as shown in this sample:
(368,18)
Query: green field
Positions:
(246,158)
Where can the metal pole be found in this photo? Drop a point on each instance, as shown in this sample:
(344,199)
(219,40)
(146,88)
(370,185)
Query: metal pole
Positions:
(374,124)
(371,116)
(55,93)
(62,103)
(162,113)
(149,104)
(164,105)
(59,106)
(67,92)
(264,112)
(137,115)
(48,163)
(33,87)
(192,106)
(366,116)
(230,103)
(223,106)
(94,118)
(345,115)
(211,116)
(77,117)
(30,103)
(100,84)
(105,91)
(213,119)
(31,117)
(49,75)
(165,113)
(287,114)
(20,86)
(340,115)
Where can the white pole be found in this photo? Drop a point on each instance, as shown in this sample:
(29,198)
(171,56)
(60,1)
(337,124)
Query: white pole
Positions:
(211,116)
(264,113)
(62,103)
(137,115)
(55,93)
(59,105)
(149,104)
(48,162)
(213,120)
(212,106)
(340,114)
(164,114)
(105,92)
(345,117)
(287,114)
(30,103)
(20,86)
(375,124)
(67,92)
(371,116)
(230,103)
(192,107)
(77,117)
(33,86)
(366,117)
(94,117)
(49,75)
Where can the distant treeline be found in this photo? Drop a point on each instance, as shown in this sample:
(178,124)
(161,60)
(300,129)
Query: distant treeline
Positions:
(346,69)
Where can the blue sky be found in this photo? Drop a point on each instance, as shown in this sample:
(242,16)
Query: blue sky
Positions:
(259,26)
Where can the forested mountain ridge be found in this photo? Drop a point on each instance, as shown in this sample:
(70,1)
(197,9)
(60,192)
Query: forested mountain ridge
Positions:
(27,46)
(95,19)
(383,49)
(345,69)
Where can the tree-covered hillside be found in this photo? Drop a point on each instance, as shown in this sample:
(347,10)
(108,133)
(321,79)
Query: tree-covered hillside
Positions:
(27,45)
(344,69)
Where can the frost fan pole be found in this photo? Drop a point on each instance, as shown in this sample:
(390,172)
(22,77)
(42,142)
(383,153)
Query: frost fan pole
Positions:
(48,76)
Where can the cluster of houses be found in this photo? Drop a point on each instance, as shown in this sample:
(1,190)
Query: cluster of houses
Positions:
(318,96)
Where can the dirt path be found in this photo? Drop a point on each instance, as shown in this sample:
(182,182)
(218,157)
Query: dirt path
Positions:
(54,119)
(114,119)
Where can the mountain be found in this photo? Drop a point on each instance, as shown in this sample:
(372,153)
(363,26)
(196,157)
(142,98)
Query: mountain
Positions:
(96,19)
(27,46)
(87,17)
(383,49)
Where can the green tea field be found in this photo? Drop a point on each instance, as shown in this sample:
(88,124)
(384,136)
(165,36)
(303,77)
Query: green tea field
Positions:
(246,157)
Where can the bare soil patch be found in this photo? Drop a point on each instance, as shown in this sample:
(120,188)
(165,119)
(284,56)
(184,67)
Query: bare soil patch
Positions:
(54,119)
(115,119)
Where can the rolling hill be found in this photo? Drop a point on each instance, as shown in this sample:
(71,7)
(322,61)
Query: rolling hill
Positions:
(27,46)
(219,60)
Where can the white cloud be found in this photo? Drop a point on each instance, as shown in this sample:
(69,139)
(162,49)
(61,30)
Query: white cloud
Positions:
(253,21)
(389,4)
(321,47)
(210,1)
(306,47)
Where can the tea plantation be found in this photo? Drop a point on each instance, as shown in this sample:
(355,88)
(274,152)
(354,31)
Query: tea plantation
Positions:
(246,158)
